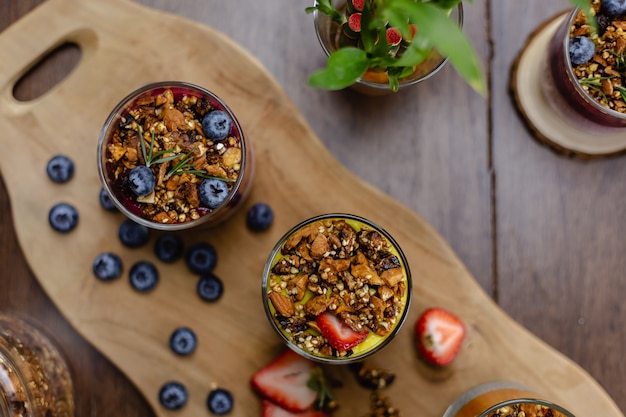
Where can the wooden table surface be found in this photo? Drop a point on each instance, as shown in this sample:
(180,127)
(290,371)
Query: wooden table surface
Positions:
(541,233)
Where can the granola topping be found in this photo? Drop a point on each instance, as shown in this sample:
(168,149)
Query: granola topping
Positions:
(169,123)
(525,410)
(604,76)
(34,379)
(338,266)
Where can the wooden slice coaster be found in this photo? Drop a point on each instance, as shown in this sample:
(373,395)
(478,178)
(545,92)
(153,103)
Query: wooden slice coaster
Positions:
(564,133)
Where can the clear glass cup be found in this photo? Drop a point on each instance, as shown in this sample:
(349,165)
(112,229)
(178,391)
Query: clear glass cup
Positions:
(35,380)
(501,398)
(563,90)
(325,251)
(375,83)
(114,175)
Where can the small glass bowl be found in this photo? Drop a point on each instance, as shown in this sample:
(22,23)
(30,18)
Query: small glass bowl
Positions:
(273,282)
(485,400)
(35,379)
(115,182)
(563,90)
(375,83)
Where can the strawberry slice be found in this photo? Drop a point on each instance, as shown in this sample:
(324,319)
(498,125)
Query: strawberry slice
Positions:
(439,336)
(272,410)
(339,335)
(284,382)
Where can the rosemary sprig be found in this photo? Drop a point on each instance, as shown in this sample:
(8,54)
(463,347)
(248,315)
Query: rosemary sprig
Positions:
(182,166)
(151,157)
(594,84)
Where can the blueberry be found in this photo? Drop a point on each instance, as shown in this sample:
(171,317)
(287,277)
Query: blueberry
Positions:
(63,217)
(173,395)
(143,276)
(183,341)
(210,287)
(212,192)
(259,217)
(141,180)
(581,50)
(614,7)
(216,125)
(201,258)
(220,401)
(60,168)
(107,266)
(168,248)
(105,201)
(133,235)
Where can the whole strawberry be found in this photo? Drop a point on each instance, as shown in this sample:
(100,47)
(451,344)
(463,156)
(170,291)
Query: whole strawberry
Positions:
(439,336)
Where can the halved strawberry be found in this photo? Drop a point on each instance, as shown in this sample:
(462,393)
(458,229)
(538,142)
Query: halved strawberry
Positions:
(272,410)
(284,381)
(339,335)
(439,336)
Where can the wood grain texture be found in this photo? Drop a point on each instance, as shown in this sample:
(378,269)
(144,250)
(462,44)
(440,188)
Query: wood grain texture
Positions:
(560,225)
(441,170)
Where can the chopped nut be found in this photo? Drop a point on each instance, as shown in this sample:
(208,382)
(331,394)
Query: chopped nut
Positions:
(282,304)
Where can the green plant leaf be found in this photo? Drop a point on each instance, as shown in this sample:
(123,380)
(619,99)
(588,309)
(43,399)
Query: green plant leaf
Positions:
(326,7)
(416,52)
(446,37)
(344,67)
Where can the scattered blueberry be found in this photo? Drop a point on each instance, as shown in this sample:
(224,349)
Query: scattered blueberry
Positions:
(216,125)
(173,395)
(212,192)
(183,341)
(107,266)
(63,217)
(210,287)
(133,235)
(143,276)
(259,217)
(220,401)
(105,201)
(60,168)
(141,181)
(201,258)
(581,50)
(168,248)
(614,7)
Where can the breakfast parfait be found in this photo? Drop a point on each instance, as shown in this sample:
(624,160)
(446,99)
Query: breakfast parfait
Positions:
(336,288)
(172,155)
(502,398)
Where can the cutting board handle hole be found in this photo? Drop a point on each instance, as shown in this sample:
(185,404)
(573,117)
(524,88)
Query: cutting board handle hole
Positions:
(48,71)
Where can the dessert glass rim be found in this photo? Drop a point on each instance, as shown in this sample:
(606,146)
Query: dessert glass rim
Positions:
(569,19)
(346,359)
(115,114)
(526,400)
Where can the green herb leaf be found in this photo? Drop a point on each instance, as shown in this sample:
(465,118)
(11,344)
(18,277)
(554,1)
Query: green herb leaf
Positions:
(344,67)
(586,9)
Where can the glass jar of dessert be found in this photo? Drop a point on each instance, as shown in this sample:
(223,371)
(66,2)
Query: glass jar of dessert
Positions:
(336,288)
(35,380)
(172,156)
(503,398)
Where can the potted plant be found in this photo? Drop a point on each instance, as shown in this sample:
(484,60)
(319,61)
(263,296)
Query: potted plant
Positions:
(390,43)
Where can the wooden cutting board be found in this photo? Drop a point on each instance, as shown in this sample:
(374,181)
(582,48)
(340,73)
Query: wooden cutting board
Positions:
(125,46)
